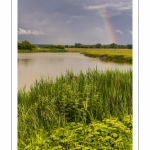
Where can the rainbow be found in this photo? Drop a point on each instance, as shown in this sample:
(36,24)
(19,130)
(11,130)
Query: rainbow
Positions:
(108,26)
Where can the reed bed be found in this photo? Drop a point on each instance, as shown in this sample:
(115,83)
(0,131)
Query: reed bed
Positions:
(79,98)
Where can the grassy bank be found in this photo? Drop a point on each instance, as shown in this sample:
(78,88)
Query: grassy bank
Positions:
(118,55)
(77,112)
(35,50)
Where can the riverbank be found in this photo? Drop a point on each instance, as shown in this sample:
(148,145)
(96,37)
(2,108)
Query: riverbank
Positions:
(116,55)
(77,111)
(38,50)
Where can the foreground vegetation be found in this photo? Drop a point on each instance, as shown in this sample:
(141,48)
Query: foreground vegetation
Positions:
(109,134)
(91,110)
(119,55)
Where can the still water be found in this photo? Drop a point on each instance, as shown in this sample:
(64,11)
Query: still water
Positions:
(32,66)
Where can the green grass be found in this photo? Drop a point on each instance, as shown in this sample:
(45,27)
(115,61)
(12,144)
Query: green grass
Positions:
(119,55)
(88,99)
(34,50)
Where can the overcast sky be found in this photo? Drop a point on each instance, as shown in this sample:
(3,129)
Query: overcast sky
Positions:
(75,21)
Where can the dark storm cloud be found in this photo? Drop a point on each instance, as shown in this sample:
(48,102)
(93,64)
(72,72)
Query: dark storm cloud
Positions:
(70,21)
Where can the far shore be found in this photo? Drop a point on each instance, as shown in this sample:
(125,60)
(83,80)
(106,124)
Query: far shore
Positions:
(116,55)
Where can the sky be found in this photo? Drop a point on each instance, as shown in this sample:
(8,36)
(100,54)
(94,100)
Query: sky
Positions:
(68,22)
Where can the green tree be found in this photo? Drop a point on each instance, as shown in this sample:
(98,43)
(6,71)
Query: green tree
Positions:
(113,45)
(26,45)
(20,46)
(78,45)
(98,45)
(129,46)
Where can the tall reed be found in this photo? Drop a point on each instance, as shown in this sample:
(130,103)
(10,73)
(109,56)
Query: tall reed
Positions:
(93,95)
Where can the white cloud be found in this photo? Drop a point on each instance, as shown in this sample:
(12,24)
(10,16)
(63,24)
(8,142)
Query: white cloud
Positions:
(117,6)
(130,32)
(109,15)
(110,9)
(119,31)
(99,29)
(29,32)
(92,7)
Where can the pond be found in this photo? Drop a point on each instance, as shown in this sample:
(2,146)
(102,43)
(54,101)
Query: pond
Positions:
(32,66)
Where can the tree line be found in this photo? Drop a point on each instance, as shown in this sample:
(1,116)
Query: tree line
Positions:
(55,47)
(26,45)
(98,45)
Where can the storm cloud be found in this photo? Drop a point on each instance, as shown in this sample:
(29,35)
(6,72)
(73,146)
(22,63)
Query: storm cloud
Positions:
(74,21)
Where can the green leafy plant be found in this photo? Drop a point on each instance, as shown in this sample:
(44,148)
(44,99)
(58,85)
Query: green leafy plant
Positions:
(88,110)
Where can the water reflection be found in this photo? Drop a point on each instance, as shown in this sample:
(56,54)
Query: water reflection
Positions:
(117,62)
(25,62)
(56,60)
(32,66)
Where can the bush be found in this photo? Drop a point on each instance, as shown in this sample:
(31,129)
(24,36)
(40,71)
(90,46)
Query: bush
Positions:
(109,134)
(25,45)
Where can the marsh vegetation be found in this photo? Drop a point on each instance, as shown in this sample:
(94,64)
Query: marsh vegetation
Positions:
(117,55)
(91,110)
